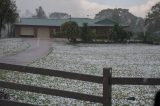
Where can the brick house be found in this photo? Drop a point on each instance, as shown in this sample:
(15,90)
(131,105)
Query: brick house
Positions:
(46,28)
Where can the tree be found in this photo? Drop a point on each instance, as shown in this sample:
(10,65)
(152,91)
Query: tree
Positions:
(145,38)
(71,30)
(152,20)
(27,14)
(119,34)
(40,13)
(58,15)
(115,15)
(86,33)
(123,35)
(114,34)
(8,13)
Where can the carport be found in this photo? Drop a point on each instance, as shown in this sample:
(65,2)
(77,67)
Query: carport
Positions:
(43,32)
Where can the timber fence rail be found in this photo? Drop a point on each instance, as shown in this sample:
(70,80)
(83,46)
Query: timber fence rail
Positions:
(106,80)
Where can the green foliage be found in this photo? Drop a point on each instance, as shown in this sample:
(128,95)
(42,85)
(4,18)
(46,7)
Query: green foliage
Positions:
(8,13)
(156,38)
(71,30)
(87,34)
(152,21)
(141,36)
(94,35)
(40,13)
(145,37)
(115,15)
(119,34)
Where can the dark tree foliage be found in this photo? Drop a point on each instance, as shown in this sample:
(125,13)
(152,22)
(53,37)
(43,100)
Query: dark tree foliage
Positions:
(152,21)
(115,32)
(86,33)
(40,13)
(8,13)
(115,16)
(145,37)
(119,34)
(71,30)
(58,15)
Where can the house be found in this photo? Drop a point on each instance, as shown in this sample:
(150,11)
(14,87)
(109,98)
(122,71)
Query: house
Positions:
(46,28)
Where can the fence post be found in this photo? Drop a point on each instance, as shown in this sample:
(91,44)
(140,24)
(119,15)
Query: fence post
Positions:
(107,90)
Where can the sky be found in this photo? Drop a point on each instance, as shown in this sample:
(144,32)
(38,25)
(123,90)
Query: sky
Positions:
(85,8)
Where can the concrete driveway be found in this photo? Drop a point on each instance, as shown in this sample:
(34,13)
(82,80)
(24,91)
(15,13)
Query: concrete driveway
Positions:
(38,48)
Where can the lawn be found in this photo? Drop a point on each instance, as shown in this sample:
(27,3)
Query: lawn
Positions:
(12,46)
(126,60)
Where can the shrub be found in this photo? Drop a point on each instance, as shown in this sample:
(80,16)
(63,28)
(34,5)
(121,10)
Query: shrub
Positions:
(156,37)
(87,34)
(70,29)
(118,34)
(146,38)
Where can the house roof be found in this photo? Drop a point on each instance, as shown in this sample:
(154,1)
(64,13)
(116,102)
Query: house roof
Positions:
(59,22)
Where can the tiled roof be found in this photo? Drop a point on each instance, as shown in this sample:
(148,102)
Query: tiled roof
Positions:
(59,22)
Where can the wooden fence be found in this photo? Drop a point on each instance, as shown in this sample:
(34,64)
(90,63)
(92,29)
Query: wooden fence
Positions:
(107,80)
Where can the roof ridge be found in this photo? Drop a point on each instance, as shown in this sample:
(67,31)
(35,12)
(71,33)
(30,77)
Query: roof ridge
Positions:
(106,19)
(42,18)
(56,19)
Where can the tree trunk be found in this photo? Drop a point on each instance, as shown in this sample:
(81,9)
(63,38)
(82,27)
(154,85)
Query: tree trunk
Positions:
(0,31)
(9,31)
(1,27)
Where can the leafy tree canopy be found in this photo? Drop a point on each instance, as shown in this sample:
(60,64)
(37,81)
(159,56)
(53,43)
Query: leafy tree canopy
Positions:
(8,13)
(86,33)
(71,30)
(58,15)
(152,21)
(40,13)
(119,34)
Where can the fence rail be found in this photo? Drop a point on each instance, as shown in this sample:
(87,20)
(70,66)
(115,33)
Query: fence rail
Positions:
(107,80)
(49,91)
(135,81)
(49,72)
(13,103)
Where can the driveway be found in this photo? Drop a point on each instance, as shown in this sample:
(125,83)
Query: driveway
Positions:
(38,48)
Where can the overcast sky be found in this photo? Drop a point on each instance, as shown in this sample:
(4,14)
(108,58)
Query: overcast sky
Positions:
(82,8)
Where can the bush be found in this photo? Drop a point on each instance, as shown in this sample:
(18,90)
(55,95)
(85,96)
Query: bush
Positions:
(146,38)
(70,30)
(87,34)
(156,37)
(119,34)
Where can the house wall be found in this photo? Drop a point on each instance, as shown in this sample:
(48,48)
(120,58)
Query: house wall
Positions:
(34,31)
(27,31)
(103,32)
(54,31)
(43,32)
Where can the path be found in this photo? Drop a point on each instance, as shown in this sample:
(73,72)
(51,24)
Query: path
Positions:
(38,48)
